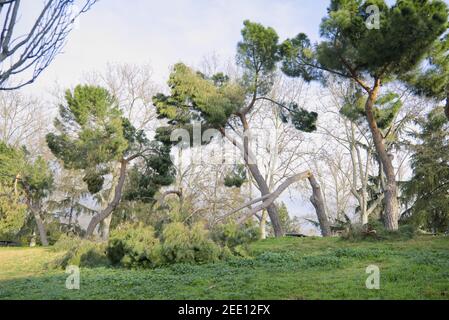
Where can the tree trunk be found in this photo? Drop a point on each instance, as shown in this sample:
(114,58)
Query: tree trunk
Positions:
(35,210)
(318,202)
(41,229)
(105,228)
(269,199)
(33,239)
(264,190)
(263,225)
(101,216)
(390,190)
(260,180)
(365,219)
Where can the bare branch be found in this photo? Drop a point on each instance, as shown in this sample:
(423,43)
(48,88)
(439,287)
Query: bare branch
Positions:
(40,45)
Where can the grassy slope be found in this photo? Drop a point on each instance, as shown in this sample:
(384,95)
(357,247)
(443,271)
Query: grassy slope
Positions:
(288,268)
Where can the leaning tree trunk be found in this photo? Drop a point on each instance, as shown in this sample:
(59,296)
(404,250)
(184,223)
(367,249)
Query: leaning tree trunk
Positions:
(41,229)
(260,180)
(318,202)
(101,216)
(105,225)
(35,210)
(264,190)
(390,191)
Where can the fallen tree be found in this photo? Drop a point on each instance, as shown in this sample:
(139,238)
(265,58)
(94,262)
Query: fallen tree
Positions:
(269,199)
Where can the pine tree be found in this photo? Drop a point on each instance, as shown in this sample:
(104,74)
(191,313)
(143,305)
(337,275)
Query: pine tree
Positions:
(428,189)
(371,58)
(93,136)
(27,182)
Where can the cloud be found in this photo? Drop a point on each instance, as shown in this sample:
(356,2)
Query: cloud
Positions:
(165,32)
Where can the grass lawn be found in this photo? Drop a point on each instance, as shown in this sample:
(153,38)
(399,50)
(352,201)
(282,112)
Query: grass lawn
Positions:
(290,268)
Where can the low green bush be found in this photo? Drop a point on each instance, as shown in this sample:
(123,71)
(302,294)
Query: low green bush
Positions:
(236,237)
(133,245)
(66,243)
(137,246)
(79,252)
(182,244)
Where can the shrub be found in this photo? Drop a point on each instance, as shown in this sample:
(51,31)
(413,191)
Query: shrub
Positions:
(176,246)
(205,250)
(234,236)
(375,230)
(226,254)
(134,246)
(79,252)
(188,245)
(66,243)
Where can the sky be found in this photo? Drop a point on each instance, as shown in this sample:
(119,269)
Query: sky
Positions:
(163,33)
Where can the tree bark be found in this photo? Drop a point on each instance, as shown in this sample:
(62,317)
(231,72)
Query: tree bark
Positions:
(263,225)
(269,199)
(264,190)
(101,216)
(318,202)
(258,177)
(105,226)
(390,190)
(35,210)
(263,186)
(41,229)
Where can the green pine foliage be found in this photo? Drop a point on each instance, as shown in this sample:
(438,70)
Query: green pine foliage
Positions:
(94,115)
(194,97)
(237,177)
(428,188)
(23,179)
(386,108)
(431,77)
(214,100)
(134,246)
(408,30)
(103,138)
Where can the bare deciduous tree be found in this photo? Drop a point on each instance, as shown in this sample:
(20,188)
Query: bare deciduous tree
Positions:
(34,50)
(134,87)
(22,120)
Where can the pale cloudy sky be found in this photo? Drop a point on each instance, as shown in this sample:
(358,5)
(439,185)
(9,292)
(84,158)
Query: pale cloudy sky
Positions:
(164,32)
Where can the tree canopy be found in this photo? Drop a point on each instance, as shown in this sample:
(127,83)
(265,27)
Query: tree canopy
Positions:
(93,136)
(428,188)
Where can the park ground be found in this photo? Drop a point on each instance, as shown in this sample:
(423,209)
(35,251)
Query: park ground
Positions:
(289,268)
